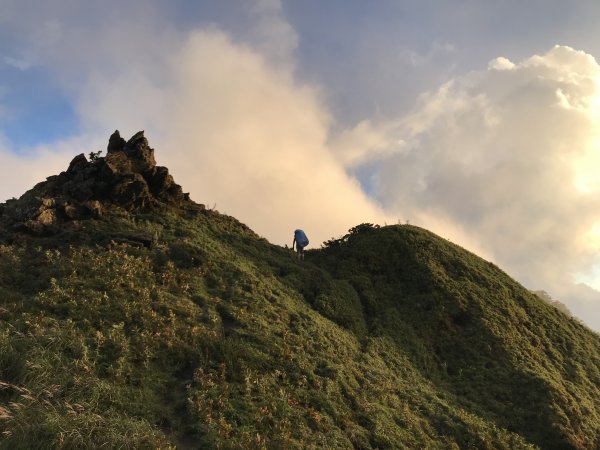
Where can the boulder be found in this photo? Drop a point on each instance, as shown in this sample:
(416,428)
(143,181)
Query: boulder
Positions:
(163,186)
(132,192)
(115,163)
(47,217)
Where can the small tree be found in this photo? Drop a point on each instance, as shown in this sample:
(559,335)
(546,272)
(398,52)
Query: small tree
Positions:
(94,156)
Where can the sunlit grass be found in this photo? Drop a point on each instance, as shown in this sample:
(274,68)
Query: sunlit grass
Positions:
(213,338)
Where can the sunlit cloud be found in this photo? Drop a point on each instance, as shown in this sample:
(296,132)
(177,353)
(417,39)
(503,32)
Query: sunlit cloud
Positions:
(503,157)
(228,118)
(586,167)
(243,134)
(501,63)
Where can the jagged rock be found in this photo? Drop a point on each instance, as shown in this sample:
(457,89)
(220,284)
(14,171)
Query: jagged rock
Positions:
(140,153)
(127,178)
(163,186)
(115,163)
(138,138)
(159,179)
(26,210)
(78,163)
(115,143)
(132,192)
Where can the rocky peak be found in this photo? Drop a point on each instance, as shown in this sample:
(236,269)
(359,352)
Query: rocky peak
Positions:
(116,143)
(127,178)
(138,154)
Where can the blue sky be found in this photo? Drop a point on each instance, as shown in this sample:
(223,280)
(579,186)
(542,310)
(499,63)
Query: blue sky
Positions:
(475,119)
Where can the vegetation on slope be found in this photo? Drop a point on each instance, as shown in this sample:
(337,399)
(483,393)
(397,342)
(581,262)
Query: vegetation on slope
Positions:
(178,327)
(212,337)
(471,330)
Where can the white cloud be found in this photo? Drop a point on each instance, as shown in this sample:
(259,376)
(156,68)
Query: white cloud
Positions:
(363,142)
(36,43)
(501,63)
(236,129)
(271,33)
(20,172)
(582,300)
(503,157)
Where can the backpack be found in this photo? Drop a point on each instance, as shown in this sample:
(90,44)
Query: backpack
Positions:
(301,238)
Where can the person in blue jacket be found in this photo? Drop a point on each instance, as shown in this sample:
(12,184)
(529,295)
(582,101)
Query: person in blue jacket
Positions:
(301,241)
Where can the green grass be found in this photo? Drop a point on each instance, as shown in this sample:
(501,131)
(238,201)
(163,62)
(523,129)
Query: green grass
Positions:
(210,337)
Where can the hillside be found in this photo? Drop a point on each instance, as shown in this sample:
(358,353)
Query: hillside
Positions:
(132,317)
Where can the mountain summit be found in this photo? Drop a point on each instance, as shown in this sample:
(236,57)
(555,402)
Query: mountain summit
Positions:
(127,178)
(132,317)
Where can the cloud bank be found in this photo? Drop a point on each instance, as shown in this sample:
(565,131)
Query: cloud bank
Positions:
(510,155)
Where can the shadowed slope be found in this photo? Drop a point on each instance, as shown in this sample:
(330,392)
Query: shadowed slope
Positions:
(475,332)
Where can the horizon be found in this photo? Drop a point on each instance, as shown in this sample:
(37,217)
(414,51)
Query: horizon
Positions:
(472,121)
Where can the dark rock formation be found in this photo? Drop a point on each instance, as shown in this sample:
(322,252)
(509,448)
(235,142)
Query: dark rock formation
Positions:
(115,143)
(126,179)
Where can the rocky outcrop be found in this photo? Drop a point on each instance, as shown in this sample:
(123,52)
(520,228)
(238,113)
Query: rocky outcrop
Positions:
(127,178)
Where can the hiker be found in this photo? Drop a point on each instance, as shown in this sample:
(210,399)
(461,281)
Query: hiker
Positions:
(301,241)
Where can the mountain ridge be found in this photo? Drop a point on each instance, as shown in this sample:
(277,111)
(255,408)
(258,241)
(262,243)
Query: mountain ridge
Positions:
(146,320)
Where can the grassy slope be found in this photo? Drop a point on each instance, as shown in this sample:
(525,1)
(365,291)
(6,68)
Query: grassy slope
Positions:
(474,332)
(214,338)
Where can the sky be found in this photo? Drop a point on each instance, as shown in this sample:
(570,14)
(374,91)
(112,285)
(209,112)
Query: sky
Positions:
(477,120)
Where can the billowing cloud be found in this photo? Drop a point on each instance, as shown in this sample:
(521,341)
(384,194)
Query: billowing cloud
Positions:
(254,141)
(240,133)
(271,33)
(510,155)
(226,116)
